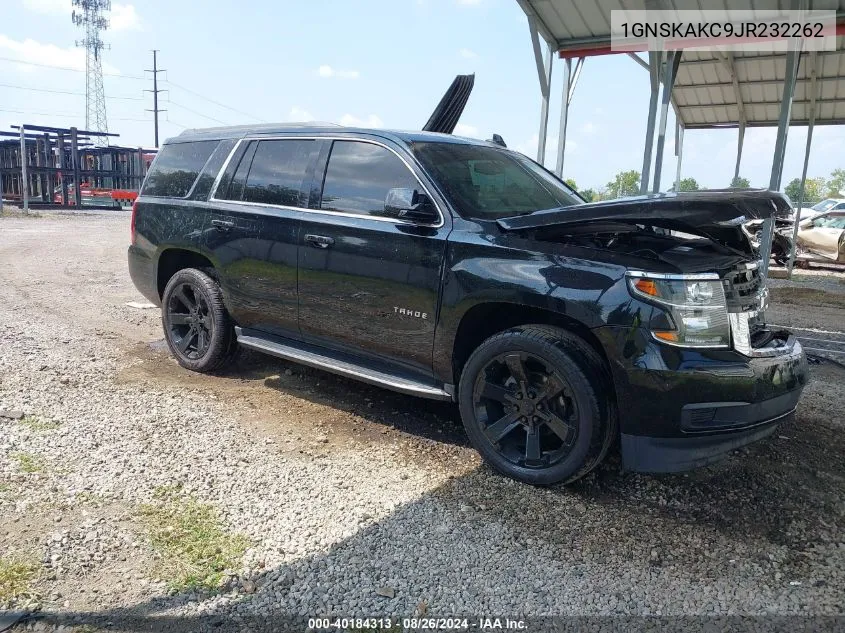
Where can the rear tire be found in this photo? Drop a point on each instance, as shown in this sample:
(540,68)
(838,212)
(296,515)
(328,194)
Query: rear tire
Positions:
(197,327)
(537,403)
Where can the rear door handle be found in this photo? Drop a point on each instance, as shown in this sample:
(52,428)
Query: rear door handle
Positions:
(223,225)
(319,241)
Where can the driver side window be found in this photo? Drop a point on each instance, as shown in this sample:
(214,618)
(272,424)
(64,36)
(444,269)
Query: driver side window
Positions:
(359,175)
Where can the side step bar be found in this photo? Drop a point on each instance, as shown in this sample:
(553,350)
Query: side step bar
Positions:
(312,356)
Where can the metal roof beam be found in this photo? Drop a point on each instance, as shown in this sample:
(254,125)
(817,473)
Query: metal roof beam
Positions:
(762,82)
(756,58)
(731,126)
(763,103)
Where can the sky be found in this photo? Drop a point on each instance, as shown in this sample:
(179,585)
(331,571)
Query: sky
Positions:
(375,63)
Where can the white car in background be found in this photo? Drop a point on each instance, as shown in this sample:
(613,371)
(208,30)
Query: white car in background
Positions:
(829,204)
(824,236)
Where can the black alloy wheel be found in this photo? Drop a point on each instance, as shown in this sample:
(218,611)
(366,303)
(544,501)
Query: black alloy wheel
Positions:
(537,403)
(197,326)
(527,409)
(190,321)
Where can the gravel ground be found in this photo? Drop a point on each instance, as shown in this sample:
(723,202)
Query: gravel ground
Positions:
(355,500)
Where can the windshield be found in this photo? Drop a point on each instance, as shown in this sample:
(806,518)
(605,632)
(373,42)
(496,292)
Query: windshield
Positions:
(488,183)
(824,205)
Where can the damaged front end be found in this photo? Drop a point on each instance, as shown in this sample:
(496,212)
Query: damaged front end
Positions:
(688,254)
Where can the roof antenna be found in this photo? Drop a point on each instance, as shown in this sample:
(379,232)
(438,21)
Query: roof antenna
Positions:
(498,140)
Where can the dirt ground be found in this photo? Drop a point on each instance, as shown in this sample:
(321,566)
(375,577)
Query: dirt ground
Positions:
(762,532)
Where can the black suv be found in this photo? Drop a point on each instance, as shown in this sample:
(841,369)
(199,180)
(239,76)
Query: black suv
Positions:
(457,269)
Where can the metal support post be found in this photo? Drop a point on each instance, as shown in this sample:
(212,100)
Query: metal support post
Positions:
(564,115)
(24,179)
(793,58)
(679,151)
(739,142)
(673,59)
(654,60)
(544,74)
(74,159)
(60,143)
(811,124)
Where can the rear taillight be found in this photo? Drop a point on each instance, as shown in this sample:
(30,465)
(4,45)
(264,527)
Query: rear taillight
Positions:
(132,222)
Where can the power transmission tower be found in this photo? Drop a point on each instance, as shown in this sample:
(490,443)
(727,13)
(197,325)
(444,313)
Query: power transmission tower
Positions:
(155,71)
(89,14)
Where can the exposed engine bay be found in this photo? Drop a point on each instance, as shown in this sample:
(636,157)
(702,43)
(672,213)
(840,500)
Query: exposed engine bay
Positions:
(684,251)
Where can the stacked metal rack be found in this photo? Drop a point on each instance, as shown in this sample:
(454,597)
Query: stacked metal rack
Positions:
(51,166)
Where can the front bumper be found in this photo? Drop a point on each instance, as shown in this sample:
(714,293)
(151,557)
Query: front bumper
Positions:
(684,408)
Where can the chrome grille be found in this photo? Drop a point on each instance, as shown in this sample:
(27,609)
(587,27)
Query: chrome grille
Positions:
(744,289)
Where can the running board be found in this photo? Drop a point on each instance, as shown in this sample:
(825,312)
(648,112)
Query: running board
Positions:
(312,356)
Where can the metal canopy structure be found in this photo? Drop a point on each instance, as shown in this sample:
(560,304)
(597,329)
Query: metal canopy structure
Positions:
(707,90)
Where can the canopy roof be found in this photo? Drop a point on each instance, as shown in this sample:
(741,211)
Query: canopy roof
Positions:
(712,89)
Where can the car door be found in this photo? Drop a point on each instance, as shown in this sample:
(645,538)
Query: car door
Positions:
(369,283)
(825,236)
(254,231)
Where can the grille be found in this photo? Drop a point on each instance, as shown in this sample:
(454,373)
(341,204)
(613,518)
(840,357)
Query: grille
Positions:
(744,288)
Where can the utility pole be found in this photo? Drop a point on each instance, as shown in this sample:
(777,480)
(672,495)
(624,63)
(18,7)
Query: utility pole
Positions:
(155,71)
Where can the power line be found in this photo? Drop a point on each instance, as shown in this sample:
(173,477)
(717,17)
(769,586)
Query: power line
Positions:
(75,70)
(175,85)
(205,116)
(65,92)
(67,115)
(222,105)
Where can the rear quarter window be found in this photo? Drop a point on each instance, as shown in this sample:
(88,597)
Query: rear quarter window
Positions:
(176,168)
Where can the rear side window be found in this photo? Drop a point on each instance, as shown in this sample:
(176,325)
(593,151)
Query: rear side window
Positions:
(359,175)
(234,180)
(209,172)
(176,168)
(277,171)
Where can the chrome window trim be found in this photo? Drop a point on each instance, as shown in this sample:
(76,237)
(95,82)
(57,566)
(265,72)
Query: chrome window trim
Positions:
(378,218)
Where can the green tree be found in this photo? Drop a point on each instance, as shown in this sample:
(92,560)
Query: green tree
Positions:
(814,190)
(738,182)
(688,184)
(588,194)
(571,183)
(625,183)
(836,183)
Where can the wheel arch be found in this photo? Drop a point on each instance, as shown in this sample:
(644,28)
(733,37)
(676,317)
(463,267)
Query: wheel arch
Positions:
(172,260)
(483,320)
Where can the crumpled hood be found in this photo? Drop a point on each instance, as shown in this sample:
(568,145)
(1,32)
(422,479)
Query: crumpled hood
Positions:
(714,208)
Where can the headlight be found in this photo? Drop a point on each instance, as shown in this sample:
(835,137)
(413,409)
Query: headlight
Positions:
(698,313)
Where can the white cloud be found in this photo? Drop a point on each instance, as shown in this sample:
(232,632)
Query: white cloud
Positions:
(589,128)
(462,129)
(299,114)
(350,120)
(468,3)
(124,17)
(48,54)
(467,53)
(327,71)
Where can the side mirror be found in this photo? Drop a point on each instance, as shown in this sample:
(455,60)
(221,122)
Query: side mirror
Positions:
(410,205)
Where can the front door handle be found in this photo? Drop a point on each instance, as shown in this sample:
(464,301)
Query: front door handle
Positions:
(319,241)
(223,225)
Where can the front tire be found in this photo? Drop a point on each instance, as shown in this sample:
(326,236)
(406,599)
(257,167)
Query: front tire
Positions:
(197,327)
(536,402)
